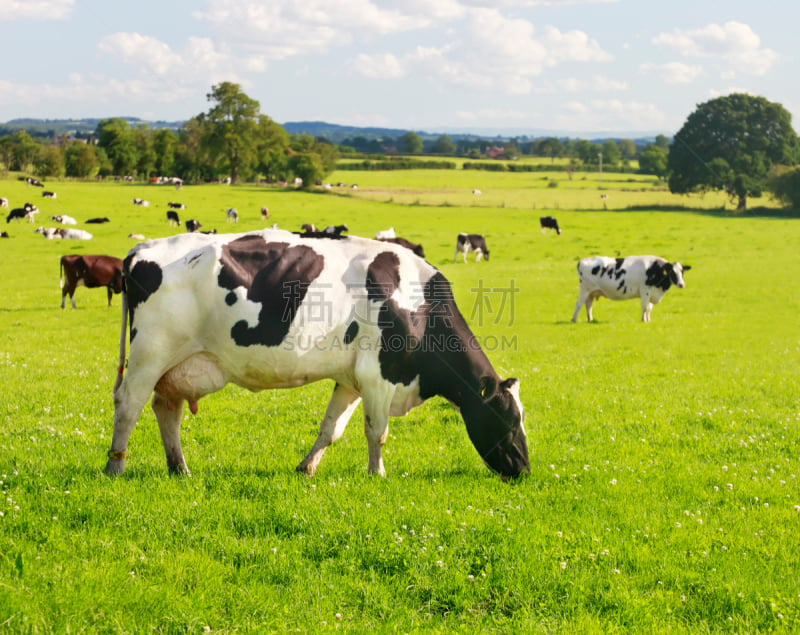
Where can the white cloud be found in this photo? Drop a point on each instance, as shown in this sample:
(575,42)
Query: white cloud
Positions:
(35,9)
(493,53)
(734,42)
(611,114)
(673,72)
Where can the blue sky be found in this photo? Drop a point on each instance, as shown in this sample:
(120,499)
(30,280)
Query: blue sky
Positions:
(432,65)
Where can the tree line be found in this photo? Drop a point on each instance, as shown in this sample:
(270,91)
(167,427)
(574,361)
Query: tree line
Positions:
(740,144)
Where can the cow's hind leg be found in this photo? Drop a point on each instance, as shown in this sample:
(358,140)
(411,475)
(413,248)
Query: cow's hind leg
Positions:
(168,413)
(376,428)
(340,408)
(582,299)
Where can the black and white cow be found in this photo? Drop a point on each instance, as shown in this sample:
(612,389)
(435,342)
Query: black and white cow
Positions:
(141,202)
(34,182)
(4,202)
(336,230)
(174,205)
(644,277)
(64,219)
(272,309)
(28,211)
(192,225)
(231,215)
(67,233)
(173,219)
(549,222)
(467,243)
(47,194)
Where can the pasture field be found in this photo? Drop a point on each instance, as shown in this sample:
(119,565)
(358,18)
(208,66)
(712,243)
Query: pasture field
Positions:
(663,494)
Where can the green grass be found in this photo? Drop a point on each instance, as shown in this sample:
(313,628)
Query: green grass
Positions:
(663,494)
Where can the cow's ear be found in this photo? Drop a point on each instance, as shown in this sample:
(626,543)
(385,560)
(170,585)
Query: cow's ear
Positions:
(511,385)
(488,388)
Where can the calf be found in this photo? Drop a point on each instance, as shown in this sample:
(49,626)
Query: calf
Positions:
(90,271)
(173,219)
(549,222)
(64,219)
(192,225)
(245,309)
(471,242)
(645,277)
(231,215)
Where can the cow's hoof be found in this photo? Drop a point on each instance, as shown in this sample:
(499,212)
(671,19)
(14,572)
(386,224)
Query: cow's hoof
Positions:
(114,467)
(305,468)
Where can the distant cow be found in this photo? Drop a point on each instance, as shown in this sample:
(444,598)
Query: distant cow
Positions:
(91,272)
(4,202)
(231,215)
(135,236)
(385,233)
(417,249)
(66,233)
(644,277)
(243,308)
(141,202)
(34,182)
(173,205)
(309,228)
(173,219)
(64,219)
(549,222)
(47,194)
(264,213)
(98,221)
(27,212)
(192,225)
(336,230)
(4,235)
(467,243)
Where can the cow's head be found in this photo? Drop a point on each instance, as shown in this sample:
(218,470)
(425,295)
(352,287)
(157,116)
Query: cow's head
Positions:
(676,274)
(494,424)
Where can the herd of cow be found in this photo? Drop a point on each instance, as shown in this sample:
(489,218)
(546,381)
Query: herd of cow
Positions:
(279,309)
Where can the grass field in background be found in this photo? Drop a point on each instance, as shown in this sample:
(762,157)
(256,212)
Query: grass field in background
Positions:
(663,493)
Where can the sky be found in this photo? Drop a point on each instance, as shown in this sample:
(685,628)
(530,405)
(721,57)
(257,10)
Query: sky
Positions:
(566,66)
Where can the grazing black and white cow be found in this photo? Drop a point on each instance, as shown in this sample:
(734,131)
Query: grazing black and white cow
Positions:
(47,194)
(336,230)
(467,243)
(90,271)
(397,240)
(173,219)
(173,205)
(141,202)
(4,235)
(231,215)
(98,221)
(549,222)
(34,182)
(64,219)
(272,309)
(192,225)
(644,277)
(28,211)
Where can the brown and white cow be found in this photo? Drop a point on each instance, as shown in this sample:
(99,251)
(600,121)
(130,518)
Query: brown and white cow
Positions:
(645,277)
(91,272)
(273,309)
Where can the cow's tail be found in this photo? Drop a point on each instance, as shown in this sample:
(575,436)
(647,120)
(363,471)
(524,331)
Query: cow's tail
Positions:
(61,274)
(122,339)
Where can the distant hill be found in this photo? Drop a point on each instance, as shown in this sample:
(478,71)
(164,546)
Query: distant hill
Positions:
(335,133)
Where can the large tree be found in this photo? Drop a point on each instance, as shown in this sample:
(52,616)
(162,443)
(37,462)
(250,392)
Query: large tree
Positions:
(115,137)
(731,143)
(231,127)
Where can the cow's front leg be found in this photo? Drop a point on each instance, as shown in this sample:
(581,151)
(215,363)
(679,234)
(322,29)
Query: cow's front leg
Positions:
(647,306)
(128,403)
(168,414)
(376,428)
(340,408)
